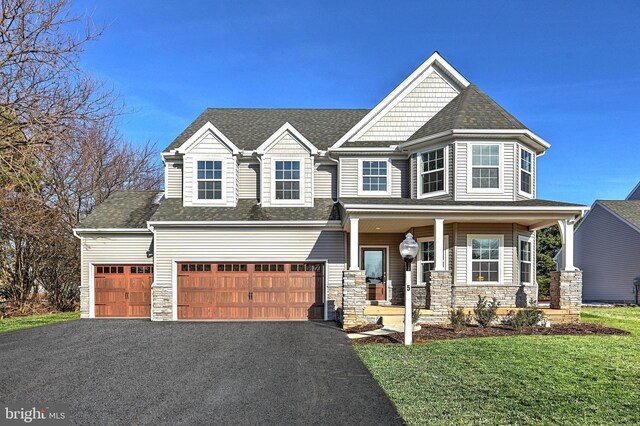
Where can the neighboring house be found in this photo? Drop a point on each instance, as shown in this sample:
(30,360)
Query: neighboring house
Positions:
(607,249)
(298,213)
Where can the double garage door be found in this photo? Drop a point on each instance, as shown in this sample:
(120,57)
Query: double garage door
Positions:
(250,291)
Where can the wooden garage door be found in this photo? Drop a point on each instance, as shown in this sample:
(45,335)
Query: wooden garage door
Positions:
(250,291)
(123,290)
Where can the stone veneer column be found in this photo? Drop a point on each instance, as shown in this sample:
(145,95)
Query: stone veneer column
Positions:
(353,298)
(162,304)
(440,283)
(84,301)
(566,291)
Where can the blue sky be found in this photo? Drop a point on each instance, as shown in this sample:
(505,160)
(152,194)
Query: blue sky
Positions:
(568,70)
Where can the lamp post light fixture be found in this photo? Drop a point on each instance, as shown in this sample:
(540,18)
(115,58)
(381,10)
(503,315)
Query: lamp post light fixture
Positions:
(408,251)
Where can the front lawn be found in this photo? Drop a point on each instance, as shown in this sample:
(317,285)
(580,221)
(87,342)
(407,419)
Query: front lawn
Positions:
(517,380)
(17,323)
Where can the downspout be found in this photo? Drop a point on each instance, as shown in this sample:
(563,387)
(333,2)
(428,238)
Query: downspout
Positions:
(260,180)
(328,155)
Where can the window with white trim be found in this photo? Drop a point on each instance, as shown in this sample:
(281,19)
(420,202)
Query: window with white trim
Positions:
(209,177)
(427,256)
(287,179)
(526,171)
(485,166)
(485,259)
(432,171)
(375,176)
(526,261)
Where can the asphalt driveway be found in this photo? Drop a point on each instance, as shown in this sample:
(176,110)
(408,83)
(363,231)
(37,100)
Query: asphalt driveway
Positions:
(139,372)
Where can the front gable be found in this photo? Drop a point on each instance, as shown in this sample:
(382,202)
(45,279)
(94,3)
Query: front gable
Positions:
(418,98)
(287,139)
(208,139)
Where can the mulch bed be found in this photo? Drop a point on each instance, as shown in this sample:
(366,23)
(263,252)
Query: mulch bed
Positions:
(436,332)
(363,328)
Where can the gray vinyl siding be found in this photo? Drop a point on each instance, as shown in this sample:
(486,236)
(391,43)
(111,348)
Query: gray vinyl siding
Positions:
(607,250)
(173,169)
(509,261)
(287,147)
(517,176)
(399,177)
(249,244)
(249,179)
(209,147)
(112,248)
(415,109)
(416,179)
(326,180)
(462,169)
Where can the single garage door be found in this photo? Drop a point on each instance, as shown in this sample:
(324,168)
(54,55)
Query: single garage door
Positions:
(250,291)
(123,290)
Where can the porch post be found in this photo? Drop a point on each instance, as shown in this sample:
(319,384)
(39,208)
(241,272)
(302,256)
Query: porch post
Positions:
(438,231)
(566,231)
(354,244)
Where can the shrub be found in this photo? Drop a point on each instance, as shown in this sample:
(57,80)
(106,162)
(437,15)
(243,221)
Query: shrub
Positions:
(485,311)
(458,319)
(415,314)
(527,317)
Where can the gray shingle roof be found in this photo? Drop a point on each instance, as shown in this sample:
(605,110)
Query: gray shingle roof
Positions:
(246,210)
(627,209)
(123,209)
(248,128)
(429,202)
(471,109)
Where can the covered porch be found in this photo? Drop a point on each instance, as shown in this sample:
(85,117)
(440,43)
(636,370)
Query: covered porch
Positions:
(464,252)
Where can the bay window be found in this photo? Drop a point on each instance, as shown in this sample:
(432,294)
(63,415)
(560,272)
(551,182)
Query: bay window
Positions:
(432,171)
(526,171)
(526,261)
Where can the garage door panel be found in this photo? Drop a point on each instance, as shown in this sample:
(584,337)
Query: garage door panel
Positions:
(122,290)
(251,291)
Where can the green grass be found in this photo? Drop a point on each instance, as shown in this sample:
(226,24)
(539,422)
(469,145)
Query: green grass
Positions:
(18,323)
(517,380)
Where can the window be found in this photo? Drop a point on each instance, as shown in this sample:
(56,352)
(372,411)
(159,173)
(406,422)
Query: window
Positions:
(195,267)
(526,171)
(485,166)
(287,181)
(209,180)
(427,257)
(432,171)
(374,176)
(485,258)
(526,261)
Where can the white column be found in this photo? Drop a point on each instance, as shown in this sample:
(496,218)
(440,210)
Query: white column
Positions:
(566,231)
(438,232)
(354,251)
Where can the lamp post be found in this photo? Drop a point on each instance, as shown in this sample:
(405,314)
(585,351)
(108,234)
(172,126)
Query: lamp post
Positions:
(408,251)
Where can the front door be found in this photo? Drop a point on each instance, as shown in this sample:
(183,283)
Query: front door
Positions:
(374,263)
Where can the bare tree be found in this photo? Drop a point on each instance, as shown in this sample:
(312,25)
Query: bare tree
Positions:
(60,151)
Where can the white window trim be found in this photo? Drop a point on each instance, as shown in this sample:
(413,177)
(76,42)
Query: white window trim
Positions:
(194,179)
(419,185)
(361,192)
(419,261)
(470,188)
(297,202)
(533,157)
(499,237)
(522,238)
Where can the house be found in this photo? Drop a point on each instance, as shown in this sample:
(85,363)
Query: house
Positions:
(299,213)
(611,274)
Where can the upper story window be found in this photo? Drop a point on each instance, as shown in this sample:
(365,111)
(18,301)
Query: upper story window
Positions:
(485,166)
(432,172)
(485,259)
(374,177)
(287,180)
(526,171)
(209,179)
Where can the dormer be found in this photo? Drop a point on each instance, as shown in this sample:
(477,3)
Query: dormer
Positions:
(209,168)
(287,169)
